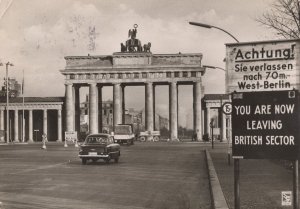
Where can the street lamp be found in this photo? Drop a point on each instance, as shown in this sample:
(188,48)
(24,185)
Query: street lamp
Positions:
(236,161)
(7,102)
(211,26)
(213,67)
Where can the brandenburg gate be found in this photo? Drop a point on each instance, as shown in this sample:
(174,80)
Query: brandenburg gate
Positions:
(135,65)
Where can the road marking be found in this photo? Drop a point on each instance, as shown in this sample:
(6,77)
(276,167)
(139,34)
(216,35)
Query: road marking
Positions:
(38,168)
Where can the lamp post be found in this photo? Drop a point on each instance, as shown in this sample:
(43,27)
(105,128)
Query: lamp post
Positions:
(211,26)
(236,161)
(213,67)
(7,102)
(212,132)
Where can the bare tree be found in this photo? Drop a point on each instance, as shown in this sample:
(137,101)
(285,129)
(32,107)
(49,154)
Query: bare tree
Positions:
(284,18)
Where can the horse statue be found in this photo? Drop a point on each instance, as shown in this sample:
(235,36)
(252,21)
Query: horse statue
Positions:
(123,48)
(147,47)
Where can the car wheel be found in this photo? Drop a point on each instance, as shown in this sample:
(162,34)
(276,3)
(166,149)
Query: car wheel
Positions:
(116,160)
(83,161)
(142,139)
(156,138)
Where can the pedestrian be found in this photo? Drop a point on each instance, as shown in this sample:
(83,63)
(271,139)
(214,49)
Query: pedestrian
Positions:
(44,140)
(195,136)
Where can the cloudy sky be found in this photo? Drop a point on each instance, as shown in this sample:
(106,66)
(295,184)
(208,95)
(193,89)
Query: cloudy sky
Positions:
(35,35)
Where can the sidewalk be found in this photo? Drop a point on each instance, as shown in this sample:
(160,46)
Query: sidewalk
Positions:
(261,181)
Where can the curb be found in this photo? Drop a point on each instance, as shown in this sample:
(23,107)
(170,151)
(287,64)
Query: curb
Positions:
(217,197)
(15,143)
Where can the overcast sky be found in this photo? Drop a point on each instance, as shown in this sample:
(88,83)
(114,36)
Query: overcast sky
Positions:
(36,34)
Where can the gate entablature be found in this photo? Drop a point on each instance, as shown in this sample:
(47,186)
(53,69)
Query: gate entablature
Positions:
(133,67)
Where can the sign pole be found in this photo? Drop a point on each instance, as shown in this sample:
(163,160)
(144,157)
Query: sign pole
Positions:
(212,133)
(295,185)
(236,183)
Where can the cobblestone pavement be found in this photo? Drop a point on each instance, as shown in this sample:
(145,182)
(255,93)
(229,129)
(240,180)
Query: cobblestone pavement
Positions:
(261,181)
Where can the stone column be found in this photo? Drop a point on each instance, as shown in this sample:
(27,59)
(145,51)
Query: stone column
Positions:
(77,108)
(203,121)
(100,116)
(30,131)
(208,121)
(8,124)
(173,111)
(155,126)
(117,104)
(45,122)
(23,126)
(123,103)
(69,108)
(223,126)
(2,125)
(16,126)
(149,107)
(59,128)
(197,110)
(93,109)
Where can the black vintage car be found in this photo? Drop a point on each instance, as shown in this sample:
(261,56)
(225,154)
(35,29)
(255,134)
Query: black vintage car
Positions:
(99,146)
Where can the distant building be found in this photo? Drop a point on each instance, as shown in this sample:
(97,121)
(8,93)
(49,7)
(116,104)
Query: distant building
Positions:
(161,122)
(135,118)
(107,116)
(14,88)
(212,105)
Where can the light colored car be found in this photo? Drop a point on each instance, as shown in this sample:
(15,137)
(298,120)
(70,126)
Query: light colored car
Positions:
(124,134)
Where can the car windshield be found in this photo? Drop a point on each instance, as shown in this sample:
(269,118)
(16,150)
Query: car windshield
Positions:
(122,130)
(96,140)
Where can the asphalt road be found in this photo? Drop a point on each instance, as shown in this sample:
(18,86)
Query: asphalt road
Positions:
(149,175)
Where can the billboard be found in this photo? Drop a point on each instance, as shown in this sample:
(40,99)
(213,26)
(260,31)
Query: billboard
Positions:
(262,66)
(265,125)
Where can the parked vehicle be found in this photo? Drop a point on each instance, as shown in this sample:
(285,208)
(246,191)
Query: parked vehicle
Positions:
(99,146)
(124,134)
(153,135)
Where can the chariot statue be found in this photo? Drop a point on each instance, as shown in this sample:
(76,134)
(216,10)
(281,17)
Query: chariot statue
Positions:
(133,44)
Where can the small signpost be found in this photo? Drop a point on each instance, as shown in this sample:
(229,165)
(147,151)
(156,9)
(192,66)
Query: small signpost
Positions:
(70,136)
(263,78)
(36,133)
(227,108)
(286,198)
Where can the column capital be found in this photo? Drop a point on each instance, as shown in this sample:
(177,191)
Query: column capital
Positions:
(76,87)
(92,84)
(68,84)
(149,82)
